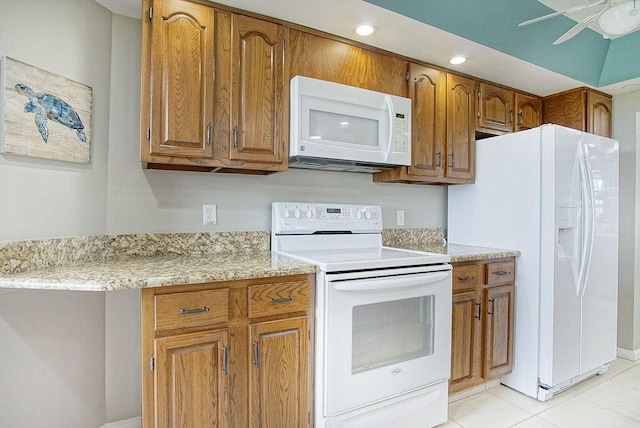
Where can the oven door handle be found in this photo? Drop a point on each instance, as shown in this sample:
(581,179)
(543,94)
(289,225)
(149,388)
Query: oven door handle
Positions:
(391,283)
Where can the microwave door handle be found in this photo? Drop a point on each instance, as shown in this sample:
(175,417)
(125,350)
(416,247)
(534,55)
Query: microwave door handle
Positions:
(390,283)
(392,114)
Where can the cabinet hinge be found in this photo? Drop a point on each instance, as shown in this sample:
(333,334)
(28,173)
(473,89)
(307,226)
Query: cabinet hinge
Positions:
(479,94)
(407,76)
(148,133)
(150,13)
(152,364)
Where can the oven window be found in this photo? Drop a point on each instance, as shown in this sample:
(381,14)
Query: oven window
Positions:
(392,332)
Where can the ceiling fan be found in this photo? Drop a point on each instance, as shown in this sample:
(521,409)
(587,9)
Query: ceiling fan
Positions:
(615,18)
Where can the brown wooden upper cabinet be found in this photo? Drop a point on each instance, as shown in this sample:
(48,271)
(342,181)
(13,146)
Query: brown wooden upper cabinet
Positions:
(433,153)
(215,95)
(214,89)
(337,61)
(177,82)
(582,108)
(528,112)
(501,110)
(461,129)
(252,123)
(428,93)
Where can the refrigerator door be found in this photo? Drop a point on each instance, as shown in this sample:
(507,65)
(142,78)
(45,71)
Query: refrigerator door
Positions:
(600,290)
(564,228)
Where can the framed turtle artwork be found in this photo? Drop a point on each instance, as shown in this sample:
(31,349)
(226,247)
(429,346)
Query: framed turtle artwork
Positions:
(44,115)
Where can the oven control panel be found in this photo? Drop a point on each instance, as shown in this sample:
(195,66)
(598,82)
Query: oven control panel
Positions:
(299,217)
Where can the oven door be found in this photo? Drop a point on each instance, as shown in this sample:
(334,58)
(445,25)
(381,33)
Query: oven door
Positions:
(385,335)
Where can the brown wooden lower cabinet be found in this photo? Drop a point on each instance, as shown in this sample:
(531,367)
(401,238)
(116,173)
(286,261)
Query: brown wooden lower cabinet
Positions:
(482,321)
(228,354)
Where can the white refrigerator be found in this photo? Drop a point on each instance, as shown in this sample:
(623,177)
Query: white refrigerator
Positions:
(551,193)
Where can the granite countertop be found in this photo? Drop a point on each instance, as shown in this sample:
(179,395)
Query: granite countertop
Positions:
(112,275)
(466,253)
(121,262)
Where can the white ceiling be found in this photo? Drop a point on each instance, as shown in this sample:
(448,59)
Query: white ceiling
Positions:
(405,36)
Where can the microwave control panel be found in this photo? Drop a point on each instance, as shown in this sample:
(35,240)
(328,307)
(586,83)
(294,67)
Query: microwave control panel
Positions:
(401,134)
(295,217)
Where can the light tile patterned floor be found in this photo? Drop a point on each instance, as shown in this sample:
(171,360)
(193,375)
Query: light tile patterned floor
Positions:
(611,400)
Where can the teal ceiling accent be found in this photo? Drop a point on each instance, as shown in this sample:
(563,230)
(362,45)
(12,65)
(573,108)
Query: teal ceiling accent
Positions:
(588,57)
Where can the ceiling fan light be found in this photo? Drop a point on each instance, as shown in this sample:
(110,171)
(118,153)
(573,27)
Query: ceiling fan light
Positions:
(620,19)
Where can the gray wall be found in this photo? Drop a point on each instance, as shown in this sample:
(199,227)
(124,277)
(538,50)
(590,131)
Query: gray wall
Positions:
(52,346)
(626,108)
(93,354)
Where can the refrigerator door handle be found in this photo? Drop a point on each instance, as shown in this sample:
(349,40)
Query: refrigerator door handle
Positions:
(588,218)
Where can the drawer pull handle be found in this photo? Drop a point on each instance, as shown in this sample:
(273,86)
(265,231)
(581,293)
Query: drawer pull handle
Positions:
(282,300)
(493,307)
(194,311)
(503,273)
(466,278)
(479,316)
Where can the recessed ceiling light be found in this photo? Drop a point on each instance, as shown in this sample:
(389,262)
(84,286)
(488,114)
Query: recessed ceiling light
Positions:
(365,29)
(459,59)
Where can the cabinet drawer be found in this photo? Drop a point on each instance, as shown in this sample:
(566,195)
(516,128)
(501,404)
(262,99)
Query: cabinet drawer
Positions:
(275,299)
(500,273)
(466,276)
(191,309)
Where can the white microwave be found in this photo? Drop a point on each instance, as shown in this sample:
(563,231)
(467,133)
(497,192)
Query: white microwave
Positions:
(344,128)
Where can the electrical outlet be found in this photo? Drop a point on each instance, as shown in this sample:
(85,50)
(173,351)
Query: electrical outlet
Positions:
(209,217)
(400,218)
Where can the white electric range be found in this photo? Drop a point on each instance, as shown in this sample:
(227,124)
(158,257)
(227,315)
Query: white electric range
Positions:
(383,317)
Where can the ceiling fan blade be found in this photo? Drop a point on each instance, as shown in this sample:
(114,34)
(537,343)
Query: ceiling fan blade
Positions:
(578,27)
(572,9)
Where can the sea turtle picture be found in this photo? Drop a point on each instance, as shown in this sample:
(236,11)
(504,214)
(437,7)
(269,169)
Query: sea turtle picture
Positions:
(47,106)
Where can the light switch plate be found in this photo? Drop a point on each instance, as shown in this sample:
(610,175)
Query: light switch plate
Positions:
(400,218)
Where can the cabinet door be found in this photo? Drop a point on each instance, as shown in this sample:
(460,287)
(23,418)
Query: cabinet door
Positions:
(528,112)
(181,87)
(499,330)
(461,115)
(598,114)
(279,374)
(259,91)
(495,108)
(191,383)
(466,346)
(566,109)
(338,61)
(427,90)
